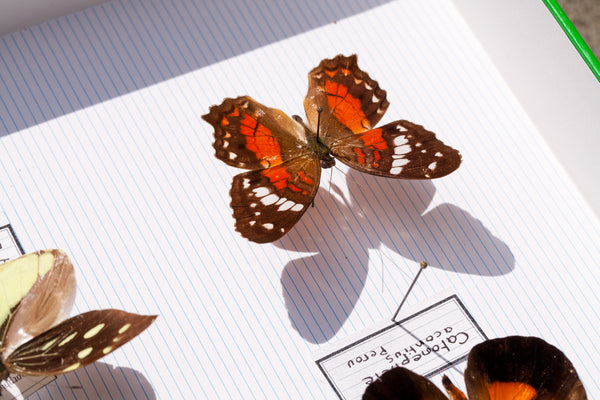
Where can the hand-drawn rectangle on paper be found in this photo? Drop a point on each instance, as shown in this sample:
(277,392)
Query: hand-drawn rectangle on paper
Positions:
(426,342)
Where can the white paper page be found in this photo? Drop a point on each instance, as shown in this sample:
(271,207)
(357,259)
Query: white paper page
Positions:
(104,155)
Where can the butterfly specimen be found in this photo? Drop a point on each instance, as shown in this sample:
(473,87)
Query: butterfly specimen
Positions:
(37,291)
(510,368)
(285,155)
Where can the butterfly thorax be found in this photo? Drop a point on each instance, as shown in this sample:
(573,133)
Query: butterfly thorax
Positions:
(317,145)
(322,151)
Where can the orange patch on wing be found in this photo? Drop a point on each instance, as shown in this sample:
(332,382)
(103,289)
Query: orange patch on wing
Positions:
(511,391)
(278,176)
(234,113)
(260,141)
(377,156)
(360,155)
(331,73)
(374,139)
(224,121)
(306,179)
(346,108)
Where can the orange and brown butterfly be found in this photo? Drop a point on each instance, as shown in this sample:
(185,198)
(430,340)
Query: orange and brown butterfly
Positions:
(510,368)
(37,292)
(285,155)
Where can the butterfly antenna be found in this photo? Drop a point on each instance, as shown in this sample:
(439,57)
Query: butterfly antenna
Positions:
(423,266)
(319,110)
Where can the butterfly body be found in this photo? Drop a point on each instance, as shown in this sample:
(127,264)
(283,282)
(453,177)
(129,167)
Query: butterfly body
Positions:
(285,155)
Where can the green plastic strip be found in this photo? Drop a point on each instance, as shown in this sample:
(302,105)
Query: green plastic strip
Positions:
(574,36)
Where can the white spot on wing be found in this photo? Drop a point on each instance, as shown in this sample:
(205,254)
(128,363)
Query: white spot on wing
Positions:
(268,226)
(84,353)
(439,154)
(270,199)
(395,170)
(286,206)
(71,368)
(401,128)
(399,162)
(67,339)
(261,191)
(94,331)
(232,156)
(400,140)
(297,207)
(245,183)
(404,149)
(432,166)
(124,328)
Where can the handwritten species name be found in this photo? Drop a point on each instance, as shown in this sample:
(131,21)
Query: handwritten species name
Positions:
(439,342)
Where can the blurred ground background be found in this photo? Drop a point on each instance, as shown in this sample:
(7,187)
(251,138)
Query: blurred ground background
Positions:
(585,15)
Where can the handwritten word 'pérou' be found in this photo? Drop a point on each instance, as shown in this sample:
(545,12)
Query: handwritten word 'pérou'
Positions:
(440,341)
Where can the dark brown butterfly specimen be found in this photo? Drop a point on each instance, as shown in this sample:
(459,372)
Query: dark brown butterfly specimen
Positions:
(285,155)
(37,291)
(510,368)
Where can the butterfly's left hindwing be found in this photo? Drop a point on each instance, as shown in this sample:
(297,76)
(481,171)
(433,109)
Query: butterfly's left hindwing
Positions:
(400,149)
(267,203)
(76,342)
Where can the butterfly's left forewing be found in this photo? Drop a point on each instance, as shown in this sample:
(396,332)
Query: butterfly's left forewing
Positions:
(76,342)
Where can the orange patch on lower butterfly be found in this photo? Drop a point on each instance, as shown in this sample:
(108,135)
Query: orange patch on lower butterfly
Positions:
(278,176)
(260,141)
(346,108)
(331,73)
(511,391)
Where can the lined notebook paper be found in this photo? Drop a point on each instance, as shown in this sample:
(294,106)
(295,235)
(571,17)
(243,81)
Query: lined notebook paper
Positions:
(104,154)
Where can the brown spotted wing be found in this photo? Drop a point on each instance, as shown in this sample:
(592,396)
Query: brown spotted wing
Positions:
(36,337)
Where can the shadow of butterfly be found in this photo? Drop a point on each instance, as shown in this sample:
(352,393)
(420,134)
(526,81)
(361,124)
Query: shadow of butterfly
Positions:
(510,368)
(285,155)
(37,292)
